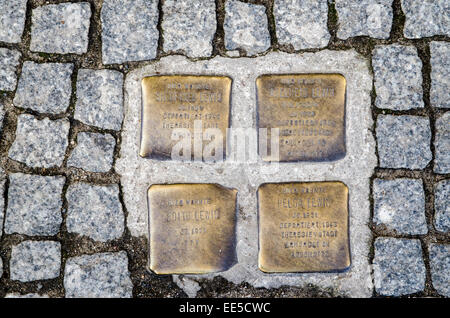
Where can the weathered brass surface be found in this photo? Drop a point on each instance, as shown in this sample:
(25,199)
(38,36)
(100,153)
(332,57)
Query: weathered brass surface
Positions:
(192,228)
(309,110)
(303,227)
(176,101)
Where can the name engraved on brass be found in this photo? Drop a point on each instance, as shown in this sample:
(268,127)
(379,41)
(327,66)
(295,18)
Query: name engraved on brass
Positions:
(192,228)
(176,101)
(303,227)
(309,110)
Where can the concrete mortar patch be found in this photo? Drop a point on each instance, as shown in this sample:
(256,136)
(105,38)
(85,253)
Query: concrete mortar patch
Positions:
(137,174)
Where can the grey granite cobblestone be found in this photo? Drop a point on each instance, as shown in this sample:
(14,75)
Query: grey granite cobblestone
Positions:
(364,17)
(403,141)
(61,28)
(40,143)
(398,77)
(9,61)
(440,74)
(30,295)
(2,199)
(189,26)
(94,152)
(102,275)
(12,20)
(45,88)
(442,144)
(442,206)
(95,211)
(440,268)
(426,18)
(100,98)
(399,204)
(398,266)
(34,204)
(302,23)
(129,30)
(246,27)
(35,260)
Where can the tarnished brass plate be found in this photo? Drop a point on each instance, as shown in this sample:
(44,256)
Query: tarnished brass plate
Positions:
(176,101)
(303,227)
(192,228)
(309,110)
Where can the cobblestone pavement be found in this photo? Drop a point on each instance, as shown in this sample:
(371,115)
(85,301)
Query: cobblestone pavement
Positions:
(63,218)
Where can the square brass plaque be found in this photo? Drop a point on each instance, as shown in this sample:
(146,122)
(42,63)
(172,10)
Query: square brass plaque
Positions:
(176,101)
(309,110)
(192,228)
(303,227)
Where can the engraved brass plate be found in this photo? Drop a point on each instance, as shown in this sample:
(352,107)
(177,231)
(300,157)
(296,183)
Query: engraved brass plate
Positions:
(303,227)
(192,228)
(309,110)
(176,101)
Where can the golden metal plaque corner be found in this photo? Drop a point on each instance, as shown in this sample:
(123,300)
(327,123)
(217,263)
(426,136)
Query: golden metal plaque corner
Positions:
(303,227)
(192,228)
(308,110)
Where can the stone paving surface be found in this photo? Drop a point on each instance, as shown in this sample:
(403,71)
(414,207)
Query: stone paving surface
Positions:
(61,28)
(45,88)
(35,260)
(9,60)
(67,220)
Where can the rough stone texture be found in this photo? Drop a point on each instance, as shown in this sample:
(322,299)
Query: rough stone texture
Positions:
(61,28)
(2,116)
(442,206)
(34,204)
(35,260)
(189,26)
(364,17)
(440,268)
(187,284)
(2,199)
(398,266)
(399,205)
(31,295)
(442,144)
(100,98)
(246,27)
(398,77)
(9,60)
(95,211)
(403,141)
(426,18)
(12,20)
(94,152)
(302,23)
(129,30)
(102,275)
(1,267)
(137,173)
(440,74)
(45,88)
(40,143)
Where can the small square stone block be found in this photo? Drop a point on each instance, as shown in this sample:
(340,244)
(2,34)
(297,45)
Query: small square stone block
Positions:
(303,227)
(403,141)
(12,20)
(425,18)
(440,268)
(9,60)
(442,206)
(440,74)
(192,228)
(398,266)
(442,144)
(399,205)
(61,28)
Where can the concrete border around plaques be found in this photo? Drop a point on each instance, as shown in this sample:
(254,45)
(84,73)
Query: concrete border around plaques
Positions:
(354,169)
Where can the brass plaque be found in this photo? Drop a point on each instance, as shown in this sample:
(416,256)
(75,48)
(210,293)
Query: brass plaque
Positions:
(192,228)
(177,101)
(303,227)
(309,110)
